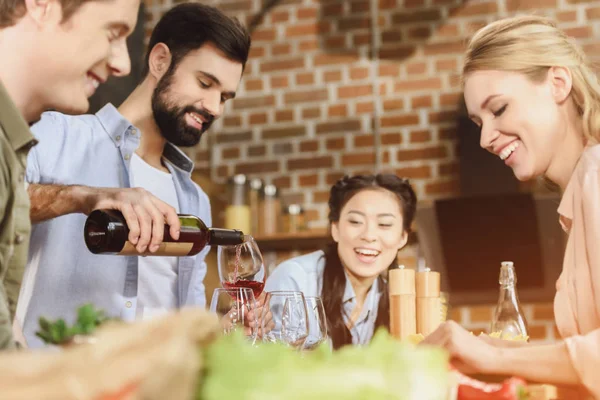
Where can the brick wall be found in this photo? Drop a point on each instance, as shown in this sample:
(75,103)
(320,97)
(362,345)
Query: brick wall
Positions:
(306,108)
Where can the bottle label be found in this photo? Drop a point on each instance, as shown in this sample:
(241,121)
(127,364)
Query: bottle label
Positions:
(172,249)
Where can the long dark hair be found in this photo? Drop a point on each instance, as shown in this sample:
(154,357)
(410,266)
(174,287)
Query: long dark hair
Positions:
(334,278)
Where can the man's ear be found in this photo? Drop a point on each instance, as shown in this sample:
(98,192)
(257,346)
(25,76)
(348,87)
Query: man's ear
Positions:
(159,60)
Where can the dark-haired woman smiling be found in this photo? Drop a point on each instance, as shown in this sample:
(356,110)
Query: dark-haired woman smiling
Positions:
(370,218)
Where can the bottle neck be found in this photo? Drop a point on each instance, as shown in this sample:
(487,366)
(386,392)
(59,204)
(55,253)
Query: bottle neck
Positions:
(225,237)
(508,293)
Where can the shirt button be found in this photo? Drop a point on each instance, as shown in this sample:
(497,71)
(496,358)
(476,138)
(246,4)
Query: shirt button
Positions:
(118,138)
(127,156)
(128,304)
(19,238)
(133,131)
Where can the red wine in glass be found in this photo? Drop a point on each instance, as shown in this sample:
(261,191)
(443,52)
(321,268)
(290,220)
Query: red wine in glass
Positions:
(256,286)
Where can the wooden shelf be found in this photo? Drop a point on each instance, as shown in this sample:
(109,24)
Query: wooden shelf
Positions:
(306,240)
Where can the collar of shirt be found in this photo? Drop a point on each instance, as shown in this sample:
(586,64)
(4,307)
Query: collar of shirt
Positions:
(119,128)
(349,299)
(14,126)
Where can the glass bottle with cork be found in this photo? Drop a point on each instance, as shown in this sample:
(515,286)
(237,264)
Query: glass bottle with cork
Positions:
(508,319)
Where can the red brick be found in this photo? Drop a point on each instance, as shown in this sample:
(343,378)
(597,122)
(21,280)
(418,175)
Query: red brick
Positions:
(387,4)
(332,10)
(443,187)
(307,13)
(311,113)
(364,141)
(393,104)
(232,121)
(353,23)
(353,159)
(321,197)
(282,148)
(517,5)
(571,16)
(420,136)
(280,16)
(421,172)
(419,32)
(416,68)
(579,32)
(359,73)
(230,153)
(310,163)
(335,42)
(398,52)
(235,6)
(223,171)
(307,45)
(347,126)
(307,96)
(448,133)
(282,182)
(537,332)
(246,102)
(335,143)
(284,115)
(442,116)
(403,17)
(447,30)
(257,52)
(418,84)
(236,137)
(392,36)
(259,167)
(427,153)
(279,82)
(357,7)
(258,118)
(421,102)
(308,180)
(306,29)
(264,34)
(280,133)
(254,84)
(338,110)
(446,65)
(309,145)
(450,99)
(281,49)
(364,108)
(307,78)
(400,120)
(333,177)
(389,70)
(331,59)
(475,8)
(455,47)
(257,151)
(347,92)
(543,312)
(414,3)
(280,65)
(480,314)
(391,138)
(332,76)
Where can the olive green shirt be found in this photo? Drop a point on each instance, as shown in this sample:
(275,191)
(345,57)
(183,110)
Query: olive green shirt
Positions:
(15,224)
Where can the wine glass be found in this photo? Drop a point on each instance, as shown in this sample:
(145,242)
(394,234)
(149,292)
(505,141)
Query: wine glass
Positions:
(236,308)
(317,323)
(242,266)
(284,318)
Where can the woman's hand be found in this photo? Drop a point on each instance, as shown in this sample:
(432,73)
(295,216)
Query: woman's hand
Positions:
(468,353)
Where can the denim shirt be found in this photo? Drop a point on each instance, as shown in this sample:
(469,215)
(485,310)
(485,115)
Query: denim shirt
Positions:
(305,274)
(62,274)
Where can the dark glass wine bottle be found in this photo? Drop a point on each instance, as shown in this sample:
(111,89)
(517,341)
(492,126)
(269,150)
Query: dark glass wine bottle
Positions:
(106,232)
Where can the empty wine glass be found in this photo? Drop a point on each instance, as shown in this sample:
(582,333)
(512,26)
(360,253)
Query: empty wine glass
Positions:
(237,309)
(284,318)
(317,323)
(242,266)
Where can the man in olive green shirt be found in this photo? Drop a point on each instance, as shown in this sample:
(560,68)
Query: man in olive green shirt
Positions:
(52,58)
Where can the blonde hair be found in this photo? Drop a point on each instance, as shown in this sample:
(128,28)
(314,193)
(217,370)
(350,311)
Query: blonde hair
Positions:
(531,45)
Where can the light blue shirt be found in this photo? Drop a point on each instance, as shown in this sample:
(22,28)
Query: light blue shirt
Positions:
(62,274)
(305,274)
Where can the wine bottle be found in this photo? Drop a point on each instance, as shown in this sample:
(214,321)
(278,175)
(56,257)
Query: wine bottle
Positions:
(106,232)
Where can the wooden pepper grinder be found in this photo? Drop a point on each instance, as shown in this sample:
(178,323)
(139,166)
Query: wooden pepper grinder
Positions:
(428,301)
(402,302)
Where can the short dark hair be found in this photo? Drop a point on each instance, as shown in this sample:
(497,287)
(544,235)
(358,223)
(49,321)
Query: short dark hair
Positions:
(189,26)
(13,10)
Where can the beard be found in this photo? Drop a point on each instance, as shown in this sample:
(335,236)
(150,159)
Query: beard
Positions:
(170,118)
